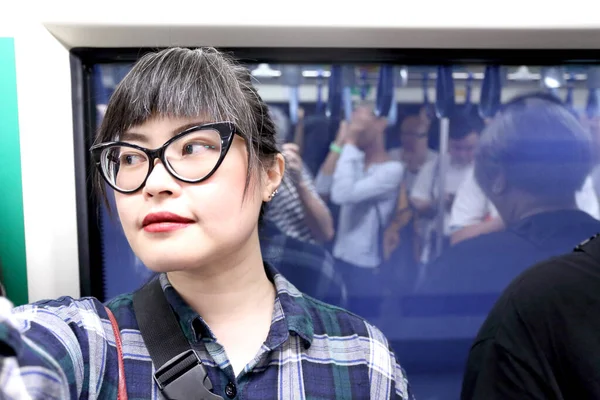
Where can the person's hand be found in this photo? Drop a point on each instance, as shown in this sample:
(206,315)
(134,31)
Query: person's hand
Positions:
(352,133)
(300,114)
(293,161)
(342,133)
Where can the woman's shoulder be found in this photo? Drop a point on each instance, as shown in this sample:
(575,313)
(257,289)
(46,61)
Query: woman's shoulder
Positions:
(84,312)
(122,308)
(348,340)
(332,323)
(61,316)
(64,305)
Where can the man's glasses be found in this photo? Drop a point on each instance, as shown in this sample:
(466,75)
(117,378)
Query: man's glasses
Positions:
(191,156)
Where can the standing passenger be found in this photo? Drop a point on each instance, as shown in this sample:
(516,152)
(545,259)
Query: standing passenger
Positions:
(364,184)
(297,210)
(533,158)
(463,140)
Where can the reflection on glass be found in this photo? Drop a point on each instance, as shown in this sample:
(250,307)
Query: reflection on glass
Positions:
(357,214)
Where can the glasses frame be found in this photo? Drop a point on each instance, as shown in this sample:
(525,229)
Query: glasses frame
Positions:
(225,129)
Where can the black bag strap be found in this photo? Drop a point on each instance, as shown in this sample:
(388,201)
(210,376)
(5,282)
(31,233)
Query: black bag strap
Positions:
(590,246)
(179,370)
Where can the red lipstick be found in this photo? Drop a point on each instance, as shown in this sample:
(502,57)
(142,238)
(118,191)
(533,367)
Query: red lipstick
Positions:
(164,222)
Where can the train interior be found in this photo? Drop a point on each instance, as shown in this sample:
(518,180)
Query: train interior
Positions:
(431,327)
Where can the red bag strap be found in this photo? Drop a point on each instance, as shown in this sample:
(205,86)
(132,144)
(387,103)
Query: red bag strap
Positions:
(122,388)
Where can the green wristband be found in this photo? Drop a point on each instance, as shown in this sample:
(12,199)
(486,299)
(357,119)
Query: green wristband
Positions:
(335,148)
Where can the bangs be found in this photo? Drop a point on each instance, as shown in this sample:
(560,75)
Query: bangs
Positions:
(180,83)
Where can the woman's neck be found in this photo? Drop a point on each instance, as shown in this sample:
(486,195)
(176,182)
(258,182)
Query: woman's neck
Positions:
(229,288)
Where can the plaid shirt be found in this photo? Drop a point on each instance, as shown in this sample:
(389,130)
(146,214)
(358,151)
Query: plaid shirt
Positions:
(65,349)
(287,211)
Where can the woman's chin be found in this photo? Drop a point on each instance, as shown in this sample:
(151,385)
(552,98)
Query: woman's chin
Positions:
(173,262)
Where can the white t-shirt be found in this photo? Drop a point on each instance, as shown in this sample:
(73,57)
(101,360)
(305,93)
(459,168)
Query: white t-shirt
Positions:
(471,206)
(426,188)
(366,198)
(409,176)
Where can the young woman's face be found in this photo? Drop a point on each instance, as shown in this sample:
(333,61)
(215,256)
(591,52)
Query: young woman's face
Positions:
(219,220)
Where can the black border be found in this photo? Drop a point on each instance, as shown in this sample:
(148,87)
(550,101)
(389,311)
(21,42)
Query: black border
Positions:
(306,55)
(83,60)
(91,282)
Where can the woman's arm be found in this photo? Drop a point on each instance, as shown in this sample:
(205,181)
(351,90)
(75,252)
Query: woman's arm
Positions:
(350,187)
(55,350)
(316,213)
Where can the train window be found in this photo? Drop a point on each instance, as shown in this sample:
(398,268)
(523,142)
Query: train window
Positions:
(440,185)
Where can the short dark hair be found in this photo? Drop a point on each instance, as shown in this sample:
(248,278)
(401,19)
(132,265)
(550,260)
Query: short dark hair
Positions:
(538,144)
(462,125)
(180,82)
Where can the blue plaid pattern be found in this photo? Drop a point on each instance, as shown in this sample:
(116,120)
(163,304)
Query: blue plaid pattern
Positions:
(65,349)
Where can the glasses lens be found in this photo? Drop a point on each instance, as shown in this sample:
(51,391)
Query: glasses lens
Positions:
(125,168)
(195,155)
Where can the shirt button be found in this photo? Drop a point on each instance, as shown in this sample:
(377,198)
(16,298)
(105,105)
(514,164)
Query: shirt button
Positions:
(230,390)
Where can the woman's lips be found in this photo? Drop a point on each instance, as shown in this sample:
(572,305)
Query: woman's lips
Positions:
(164,222)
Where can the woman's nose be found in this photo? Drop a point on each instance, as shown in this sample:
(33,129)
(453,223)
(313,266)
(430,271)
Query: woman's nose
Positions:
(160,181)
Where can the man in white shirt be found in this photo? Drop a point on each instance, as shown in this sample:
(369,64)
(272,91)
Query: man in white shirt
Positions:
(414,151)
(364,183)
(401,244)
(462,144)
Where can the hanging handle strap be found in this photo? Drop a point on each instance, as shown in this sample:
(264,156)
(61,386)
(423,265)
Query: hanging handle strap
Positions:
(334,99)
(469,95)
(122,387)
(427,106)
(385,90)
(491,92)
(319,105)
(292,77)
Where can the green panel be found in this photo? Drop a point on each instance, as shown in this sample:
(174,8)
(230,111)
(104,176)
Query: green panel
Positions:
(12,229)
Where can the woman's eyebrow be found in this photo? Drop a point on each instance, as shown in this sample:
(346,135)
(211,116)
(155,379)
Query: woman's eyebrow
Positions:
(188,126)
(140,137)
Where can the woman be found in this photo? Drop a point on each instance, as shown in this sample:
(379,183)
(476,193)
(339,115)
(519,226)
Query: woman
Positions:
(190,211)
(298,210)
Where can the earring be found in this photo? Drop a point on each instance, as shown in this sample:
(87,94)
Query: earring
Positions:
(273,194)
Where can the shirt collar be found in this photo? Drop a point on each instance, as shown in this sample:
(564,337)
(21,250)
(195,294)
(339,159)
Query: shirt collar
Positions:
(291,313)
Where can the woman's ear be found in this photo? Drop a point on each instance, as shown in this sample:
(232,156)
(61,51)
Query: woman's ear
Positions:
(273,176)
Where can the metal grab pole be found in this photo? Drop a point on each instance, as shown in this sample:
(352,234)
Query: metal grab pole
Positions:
(441,200)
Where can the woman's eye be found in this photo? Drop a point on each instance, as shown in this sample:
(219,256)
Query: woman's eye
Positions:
(130,159)
(195,148)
